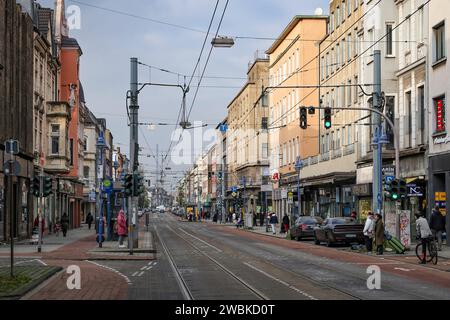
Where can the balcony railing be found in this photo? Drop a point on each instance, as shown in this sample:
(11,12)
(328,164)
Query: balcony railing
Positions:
(333,154)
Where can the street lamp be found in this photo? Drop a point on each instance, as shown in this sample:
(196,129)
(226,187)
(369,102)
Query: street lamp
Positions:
(222,42)
(100,175)
(298,167)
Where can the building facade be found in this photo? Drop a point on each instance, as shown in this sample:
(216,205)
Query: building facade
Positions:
(293,72)
(16,117)
(439,118)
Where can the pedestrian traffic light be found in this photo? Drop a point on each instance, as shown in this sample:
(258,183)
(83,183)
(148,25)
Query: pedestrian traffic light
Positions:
(327,118)
(47,187)
(303,118)
(36,187)
(128,185)
(209,175)
(403,190)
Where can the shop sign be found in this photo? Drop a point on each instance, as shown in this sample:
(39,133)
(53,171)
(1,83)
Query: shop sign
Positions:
(283,193)
(441,140)
(414,190)
(361,189)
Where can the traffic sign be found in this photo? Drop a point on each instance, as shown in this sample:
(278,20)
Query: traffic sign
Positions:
(12,147)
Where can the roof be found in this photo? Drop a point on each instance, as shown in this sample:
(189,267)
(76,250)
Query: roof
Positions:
(44,19)
(290,27)
(81,93)
(68,42)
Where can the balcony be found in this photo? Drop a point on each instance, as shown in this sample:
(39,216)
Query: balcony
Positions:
(324,156)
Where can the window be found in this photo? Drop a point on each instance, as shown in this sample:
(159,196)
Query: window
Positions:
(338,57)
(338,17)
(264,123)
(390,113)
(297,59)
(389,39)
(343,51)
(349,47)
(265,150)
(439,42)
(323,68)
(439,105)
(407,30)
(349,134)
(332,22)
(349,8)
(421,104)
(86,172)
(343,10)
(55,139)
(356,4)
(71,152)
(420,24)
(332,61)
(371,37)
(408,107)
(327,64)
(349,93)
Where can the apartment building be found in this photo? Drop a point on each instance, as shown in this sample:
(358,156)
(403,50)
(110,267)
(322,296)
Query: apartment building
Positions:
(293,72)
(439,117)
(247,140)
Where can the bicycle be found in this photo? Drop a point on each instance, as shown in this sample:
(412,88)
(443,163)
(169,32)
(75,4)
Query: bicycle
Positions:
(431,251)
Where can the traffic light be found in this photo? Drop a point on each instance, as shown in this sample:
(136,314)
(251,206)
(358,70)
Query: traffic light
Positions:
(393,193)
(403,190)
(47,187)
(327,118)
(138,185)
(36,187)
(303,118)
(128,185)
(219,175)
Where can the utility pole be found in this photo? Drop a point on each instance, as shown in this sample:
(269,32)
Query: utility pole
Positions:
(134,151)
(377,192)
(222,194)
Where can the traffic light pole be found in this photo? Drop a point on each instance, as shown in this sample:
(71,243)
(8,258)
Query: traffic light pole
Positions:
(41,199)
(134,107)
(377,153)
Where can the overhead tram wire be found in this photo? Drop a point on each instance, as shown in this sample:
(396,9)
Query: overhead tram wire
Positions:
(204,68)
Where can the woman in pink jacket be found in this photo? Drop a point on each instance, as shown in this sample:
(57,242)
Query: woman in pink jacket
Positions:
(121,228)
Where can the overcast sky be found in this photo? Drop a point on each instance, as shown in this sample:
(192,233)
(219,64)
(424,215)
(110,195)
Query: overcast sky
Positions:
(109,39)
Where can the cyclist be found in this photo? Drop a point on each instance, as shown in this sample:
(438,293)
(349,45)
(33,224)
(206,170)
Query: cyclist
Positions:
(423,233)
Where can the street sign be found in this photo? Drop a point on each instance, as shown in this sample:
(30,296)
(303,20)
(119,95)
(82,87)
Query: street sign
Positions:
(234,189)
(388,179)
(12,147)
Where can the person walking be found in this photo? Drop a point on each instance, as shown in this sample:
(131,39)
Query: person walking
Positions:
(286,223)
(234,217)
(121,228)
(254,218)
(423,233)
(262,215)
(273,222)
(89,220)
(368,232)
(65,224)
(437,226)
(379,233)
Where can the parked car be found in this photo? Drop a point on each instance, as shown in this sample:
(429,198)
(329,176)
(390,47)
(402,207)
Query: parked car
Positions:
(339,230)
(303,227)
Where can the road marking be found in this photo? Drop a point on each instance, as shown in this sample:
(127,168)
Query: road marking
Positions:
(215,248)
(149,268)
(404,269)
(111,269)
(134,274)
(143,268)
(42,262)
(280,281)
(140,274)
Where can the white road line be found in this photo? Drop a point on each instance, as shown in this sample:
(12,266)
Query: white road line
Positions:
(140,274)
(150,263)
(111,269)
(143,268)
(404,269)
(281,281)
(215,248)
(149,268)
(42,262)
(134,274)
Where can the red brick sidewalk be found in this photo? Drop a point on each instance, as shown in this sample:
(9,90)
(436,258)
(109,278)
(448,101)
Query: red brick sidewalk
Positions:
(97,283)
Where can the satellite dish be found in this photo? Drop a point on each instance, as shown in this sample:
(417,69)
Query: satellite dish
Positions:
(318,12)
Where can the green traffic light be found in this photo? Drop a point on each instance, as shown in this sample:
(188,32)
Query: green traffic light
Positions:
(327,124)
(395,196)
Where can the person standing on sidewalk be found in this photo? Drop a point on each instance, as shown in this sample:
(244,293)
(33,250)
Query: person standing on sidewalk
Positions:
(89,220)
(437,226)
(121,228)
(273,222)
(65,224)
(379,233)
(368,232)
(286,223)
(423,233)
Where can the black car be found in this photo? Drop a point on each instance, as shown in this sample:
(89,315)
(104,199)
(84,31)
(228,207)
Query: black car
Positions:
(303,227)
(339,230)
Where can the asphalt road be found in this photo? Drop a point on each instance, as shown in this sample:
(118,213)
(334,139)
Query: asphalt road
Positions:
(207,261)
